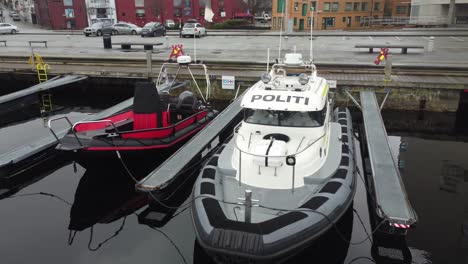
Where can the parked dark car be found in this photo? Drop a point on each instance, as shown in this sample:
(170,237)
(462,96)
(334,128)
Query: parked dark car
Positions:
(153,29)
(16,17)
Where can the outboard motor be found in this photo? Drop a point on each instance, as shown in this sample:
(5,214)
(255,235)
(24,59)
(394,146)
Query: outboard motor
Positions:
(187,101)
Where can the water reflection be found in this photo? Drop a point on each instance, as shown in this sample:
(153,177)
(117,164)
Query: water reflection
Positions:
(103,196)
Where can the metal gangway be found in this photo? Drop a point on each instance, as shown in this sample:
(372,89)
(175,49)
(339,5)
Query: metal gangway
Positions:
(389,199)
(194,150)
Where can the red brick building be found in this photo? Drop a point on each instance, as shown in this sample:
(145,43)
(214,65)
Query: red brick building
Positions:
(61,14)
(141,12)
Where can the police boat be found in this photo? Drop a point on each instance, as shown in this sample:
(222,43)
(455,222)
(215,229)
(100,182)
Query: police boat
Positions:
(286,175)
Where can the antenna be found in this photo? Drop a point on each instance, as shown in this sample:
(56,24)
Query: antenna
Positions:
(285,2)
(268,60)
(311,30)
(195,45)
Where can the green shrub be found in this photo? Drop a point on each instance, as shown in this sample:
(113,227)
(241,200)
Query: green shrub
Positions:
(232,24)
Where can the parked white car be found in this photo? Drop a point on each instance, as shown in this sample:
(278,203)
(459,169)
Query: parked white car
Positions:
(7,28)
(193,29)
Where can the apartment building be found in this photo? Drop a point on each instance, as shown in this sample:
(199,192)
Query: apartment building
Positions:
(439,12)
(99,10)
(400,8)
(61,14)
(338,14)
(141,12)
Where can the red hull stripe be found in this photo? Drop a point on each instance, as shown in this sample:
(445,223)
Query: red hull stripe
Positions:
(145,147)
(145,121)
(163,133)
(99,126)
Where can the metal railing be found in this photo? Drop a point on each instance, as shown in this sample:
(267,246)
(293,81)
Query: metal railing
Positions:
(95,122)
(429,20)
(49,125)
(163,74)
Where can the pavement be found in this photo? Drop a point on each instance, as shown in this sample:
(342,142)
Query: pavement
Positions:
(450,48)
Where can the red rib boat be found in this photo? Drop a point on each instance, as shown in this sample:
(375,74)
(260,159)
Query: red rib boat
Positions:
(154,122)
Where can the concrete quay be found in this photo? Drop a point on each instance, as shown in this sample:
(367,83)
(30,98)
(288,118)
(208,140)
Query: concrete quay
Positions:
(436,77)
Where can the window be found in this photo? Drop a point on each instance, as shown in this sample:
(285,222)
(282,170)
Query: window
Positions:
(139,3)
(343,19)
(280,7)
(285,118)
(280,22)
(335,7)
(328,21)
(69,13)
(187,8)
(304,9)
(101,12)
(221,11)
(348,6)
(398,9)
(356,7)
(296,6)
(309,21)
(140,13)
(326,6)
(313,6)
(357,19)
(274,22)
(364,6)
(403,10)
(295,21)
(377,6)
(68,2)
(177,12)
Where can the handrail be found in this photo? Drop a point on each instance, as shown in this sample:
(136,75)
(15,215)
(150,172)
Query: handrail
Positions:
(94,122)
(49,124)
(281,156)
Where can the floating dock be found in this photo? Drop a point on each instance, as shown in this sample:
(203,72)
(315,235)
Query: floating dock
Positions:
(389,201)
(194,150)
(50,84)
(30,155)
(27,156)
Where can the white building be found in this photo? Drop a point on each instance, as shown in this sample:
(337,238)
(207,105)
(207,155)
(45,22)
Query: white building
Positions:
(439,12)
(99,10)
(25,9)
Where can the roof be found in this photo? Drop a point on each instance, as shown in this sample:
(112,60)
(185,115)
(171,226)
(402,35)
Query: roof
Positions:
(312,96)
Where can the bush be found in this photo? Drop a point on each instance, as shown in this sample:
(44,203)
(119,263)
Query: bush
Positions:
(233,24)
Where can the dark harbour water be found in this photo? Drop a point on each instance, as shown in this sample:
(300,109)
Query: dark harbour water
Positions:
(97,221)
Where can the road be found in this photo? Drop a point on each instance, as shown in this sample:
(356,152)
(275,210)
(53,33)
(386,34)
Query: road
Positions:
(247,46)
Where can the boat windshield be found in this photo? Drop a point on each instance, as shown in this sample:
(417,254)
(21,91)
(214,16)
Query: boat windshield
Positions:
(285,118)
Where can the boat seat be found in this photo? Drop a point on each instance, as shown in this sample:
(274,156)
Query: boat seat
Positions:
(147,112)
(187,101)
